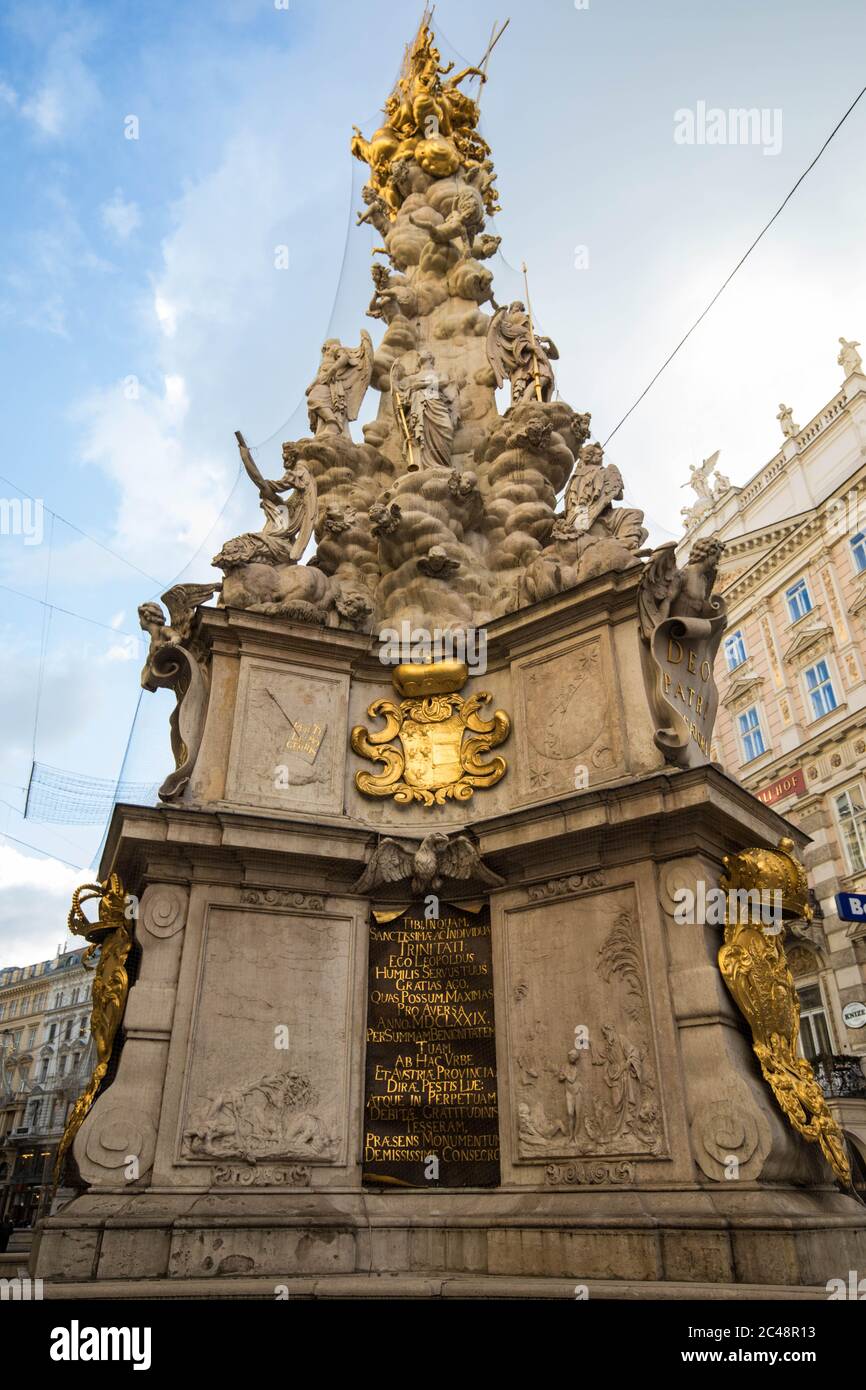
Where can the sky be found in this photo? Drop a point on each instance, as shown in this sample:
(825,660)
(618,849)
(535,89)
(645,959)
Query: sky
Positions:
(178,239)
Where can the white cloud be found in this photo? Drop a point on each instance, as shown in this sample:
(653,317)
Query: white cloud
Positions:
(35,892)
(127,649)
(167,486)
(120,217)
(65,94)
(8,95)
(166,314)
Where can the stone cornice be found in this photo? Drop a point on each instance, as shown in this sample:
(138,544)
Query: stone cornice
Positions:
(802,530)
(699,810)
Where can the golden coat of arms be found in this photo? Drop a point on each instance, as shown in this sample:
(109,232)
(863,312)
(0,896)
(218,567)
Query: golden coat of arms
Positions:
(432,744)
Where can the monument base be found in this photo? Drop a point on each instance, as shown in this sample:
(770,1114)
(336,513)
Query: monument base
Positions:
(655,1244)
(248,922)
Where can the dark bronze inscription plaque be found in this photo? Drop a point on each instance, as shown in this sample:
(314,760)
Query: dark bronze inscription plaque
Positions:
(430,1106)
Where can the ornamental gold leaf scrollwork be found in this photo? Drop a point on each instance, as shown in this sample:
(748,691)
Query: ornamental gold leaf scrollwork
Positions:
(755,970)
(111,937)
(431,748)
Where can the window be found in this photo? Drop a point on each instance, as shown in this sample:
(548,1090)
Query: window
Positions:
(31,1037)
(858,550)
(735,650)
(43,1069)
(751,735)
(820,688)
(52,1032)
(798,600)
(852,821)
(814,1033)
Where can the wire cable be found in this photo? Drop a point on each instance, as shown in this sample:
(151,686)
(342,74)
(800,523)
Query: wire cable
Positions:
(740,263)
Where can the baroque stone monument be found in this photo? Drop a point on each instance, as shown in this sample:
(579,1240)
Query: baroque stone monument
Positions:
(396,977)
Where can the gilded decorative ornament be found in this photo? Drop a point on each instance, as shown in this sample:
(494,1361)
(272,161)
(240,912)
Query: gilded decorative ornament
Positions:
(755,970)
(111,936)
(432,744)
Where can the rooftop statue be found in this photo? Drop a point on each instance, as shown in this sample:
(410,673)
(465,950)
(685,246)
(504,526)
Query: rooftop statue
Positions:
(707,490)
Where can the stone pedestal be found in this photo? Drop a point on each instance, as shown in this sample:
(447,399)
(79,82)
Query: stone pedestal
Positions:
(249,997)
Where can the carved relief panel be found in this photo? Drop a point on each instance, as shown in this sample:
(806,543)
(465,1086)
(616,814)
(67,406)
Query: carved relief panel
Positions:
(289,738)
(568,723)
(270,1044)
(583,1064)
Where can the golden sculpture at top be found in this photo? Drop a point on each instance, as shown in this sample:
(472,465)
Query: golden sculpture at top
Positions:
(427,120)
(111,936)
(432,742)
(755,970)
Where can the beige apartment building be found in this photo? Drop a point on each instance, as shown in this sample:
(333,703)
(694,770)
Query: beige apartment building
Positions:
(791,672)
(46,1058)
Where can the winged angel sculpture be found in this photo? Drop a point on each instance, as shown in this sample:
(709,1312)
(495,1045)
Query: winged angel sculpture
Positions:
(334,396)
(436,858)
(517,354)
(172,663)
(681,624)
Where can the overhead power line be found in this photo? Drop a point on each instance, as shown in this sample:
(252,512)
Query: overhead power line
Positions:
(740,263)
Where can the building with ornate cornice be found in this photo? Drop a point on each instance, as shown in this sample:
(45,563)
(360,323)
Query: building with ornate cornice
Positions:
(791,671)
(46,1057)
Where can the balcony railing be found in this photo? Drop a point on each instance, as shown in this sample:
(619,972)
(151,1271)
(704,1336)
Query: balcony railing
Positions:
(840,1077)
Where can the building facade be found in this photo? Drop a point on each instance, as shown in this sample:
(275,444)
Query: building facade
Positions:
(791,672)
(46,1058)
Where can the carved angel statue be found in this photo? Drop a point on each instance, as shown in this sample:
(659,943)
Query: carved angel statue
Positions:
(181,600)
(699,477)
(707,492)
(669,592)
(171,664)
(392,296)
(334,397)
(377,211)
(436,858)
(849,358)
(517,354)
(465,220)
(786,420)
(291,517)
(427,407)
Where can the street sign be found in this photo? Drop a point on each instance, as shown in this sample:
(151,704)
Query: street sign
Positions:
(851,907)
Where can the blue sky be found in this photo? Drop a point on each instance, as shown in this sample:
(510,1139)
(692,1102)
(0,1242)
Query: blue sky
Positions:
(143,319)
